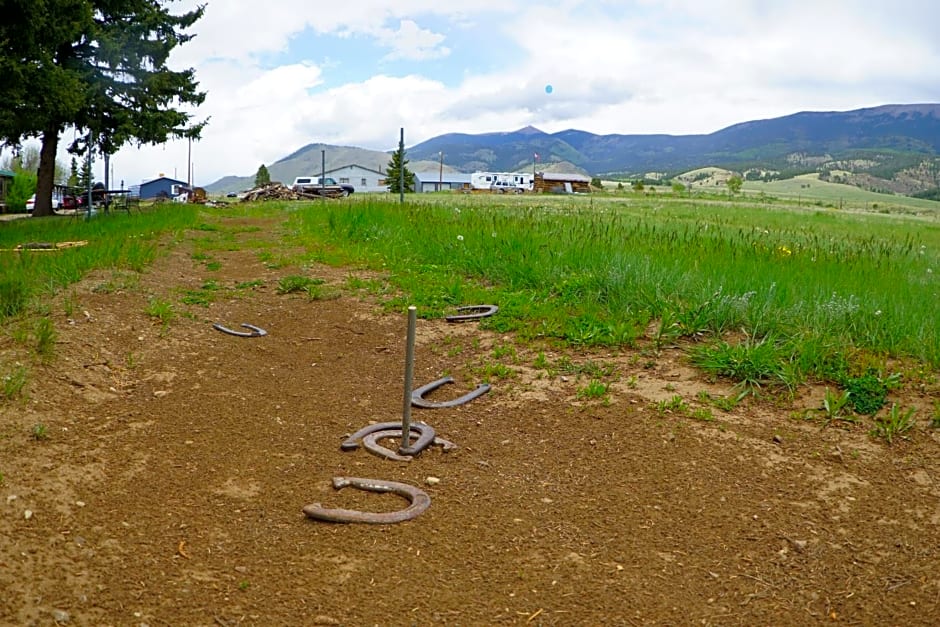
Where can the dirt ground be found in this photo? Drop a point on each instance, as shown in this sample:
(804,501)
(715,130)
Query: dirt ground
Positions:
(168,485)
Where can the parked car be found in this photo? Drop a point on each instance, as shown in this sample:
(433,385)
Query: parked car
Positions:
(328,186)
(72,202)
(505,187)
(59,201)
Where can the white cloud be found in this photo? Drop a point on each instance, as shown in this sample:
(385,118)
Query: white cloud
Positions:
(412,42)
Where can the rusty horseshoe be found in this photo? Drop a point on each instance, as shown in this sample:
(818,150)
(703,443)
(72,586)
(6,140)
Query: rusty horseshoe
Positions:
(370,442)
(418,400)
(253,332)
(418,502)
(425,436)
(479,311)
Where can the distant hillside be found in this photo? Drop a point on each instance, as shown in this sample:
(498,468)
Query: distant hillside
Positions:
(903,128)
(892,148)
(880,144)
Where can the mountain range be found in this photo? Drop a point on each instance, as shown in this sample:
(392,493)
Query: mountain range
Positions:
(891,147)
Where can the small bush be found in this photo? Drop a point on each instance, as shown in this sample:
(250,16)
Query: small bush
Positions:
(22,187)
(869,392)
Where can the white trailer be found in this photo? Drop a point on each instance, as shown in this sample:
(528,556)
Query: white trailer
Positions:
(522,181)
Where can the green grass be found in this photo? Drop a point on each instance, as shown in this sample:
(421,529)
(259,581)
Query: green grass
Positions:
(46,337)
(296,283)
(594,390)
(812,291)
(808,190)
(13,381)
(117,241)
(751,363)
(161,310)
(204,296)
(676,404)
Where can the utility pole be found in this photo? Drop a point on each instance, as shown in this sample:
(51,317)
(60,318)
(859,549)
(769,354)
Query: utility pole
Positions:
(401,167)
(189,165)
(90,177)
(440,176)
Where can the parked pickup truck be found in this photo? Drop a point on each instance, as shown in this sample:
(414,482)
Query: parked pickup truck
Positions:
(329,187)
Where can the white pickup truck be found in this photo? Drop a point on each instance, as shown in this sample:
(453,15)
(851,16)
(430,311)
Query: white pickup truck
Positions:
(329,187)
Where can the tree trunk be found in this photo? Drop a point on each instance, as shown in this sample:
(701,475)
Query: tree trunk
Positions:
(45,176)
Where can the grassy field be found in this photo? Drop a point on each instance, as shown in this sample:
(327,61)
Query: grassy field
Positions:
(770,296)
(809,190)
(804,191)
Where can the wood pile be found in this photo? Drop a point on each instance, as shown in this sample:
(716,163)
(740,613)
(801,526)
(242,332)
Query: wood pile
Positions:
(277,191)
(554,183)
(271,191)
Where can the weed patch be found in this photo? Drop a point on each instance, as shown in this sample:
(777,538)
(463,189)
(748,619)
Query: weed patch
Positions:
(13,382)
(39,432)
(46,337)
(594,390)
(869,392)
(750,364)
(896,423)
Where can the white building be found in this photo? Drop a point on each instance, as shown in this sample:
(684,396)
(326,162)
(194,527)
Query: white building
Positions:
(441,181)
(362,178)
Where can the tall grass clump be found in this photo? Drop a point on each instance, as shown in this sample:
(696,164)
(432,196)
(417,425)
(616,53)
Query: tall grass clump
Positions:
(13,380)
(46,336)
(14,295)
(589,272)
(752,363)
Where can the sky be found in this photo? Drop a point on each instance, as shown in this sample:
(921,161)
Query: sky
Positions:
(281,74)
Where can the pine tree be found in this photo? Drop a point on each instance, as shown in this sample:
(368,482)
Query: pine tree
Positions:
(85,176)
(99,66)
(73,174)
(262,178)
(393,174)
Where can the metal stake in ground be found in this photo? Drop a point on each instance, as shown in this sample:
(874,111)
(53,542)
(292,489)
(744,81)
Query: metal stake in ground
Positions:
(409,379)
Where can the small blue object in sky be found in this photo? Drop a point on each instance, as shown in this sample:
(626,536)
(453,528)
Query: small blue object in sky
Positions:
(548,89)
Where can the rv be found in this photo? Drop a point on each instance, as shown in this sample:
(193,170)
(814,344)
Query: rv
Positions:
(502,181)
(523,180)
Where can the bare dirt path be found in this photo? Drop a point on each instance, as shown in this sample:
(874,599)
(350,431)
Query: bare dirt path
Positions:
(169,485)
